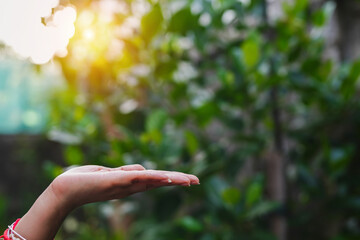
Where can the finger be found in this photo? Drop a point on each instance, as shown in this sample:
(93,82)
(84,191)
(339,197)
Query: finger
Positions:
(142,187)
(127,178)
(178,178)
(134,188)
(192,178)
(133,167)
(195,180)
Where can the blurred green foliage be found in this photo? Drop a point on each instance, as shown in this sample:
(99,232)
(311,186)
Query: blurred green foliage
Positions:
(190,90)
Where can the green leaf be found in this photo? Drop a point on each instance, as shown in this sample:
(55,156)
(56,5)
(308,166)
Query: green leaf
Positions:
(319,18)
(191,224)
(348,87)
(253,193)
(300,5)
(251,52)
(207,112)
(214,188)
(226,77)
(191,142)
(156,120)
(52,170)
(231,195)
(151,23)
(183,21)
(355,71)
(261,209)
(74,155)
(165,69)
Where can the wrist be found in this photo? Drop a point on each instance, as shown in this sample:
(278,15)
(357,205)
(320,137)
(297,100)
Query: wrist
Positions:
(44,218)
(61,197)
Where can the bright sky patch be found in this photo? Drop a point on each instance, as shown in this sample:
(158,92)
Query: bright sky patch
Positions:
(36,29)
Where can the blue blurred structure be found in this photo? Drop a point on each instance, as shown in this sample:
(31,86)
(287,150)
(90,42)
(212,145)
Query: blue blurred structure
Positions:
(23,97)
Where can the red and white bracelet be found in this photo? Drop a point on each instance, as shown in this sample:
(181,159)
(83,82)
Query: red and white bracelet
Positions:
(10,233)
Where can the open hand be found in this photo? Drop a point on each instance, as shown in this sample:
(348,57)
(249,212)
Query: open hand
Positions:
(87,184)
(92,183)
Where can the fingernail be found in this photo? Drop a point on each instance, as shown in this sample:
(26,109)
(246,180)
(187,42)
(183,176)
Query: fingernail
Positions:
(166,181)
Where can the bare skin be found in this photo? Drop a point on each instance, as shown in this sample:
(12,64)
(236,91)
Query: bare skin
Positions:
(88,184)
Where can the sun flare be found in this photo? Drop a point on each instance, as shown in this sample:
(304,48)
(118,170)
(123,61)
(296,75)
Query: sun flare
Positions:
(29,35)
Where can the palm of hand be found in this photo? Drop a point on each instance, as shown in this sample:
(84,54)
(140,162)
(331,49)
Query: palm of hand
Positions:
(92,183)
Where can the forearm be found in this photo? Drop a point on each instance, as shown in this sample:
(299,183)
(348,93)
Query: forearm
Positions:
(44,218)
(87,184)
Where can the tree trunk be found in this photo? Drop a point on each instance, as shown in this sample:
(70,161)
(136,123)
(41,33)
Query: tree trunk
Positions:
(275,169)
(275,157)
(348,12)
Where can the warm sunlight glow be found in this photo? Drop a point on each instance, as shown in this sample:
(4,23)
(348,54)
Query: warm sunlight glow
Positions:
(89,34)
(95,34)
(41,29)
(22,28)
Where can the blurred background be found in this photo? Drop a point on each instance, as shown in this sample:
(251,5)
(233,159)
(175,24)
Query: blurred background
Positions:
(258,98)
